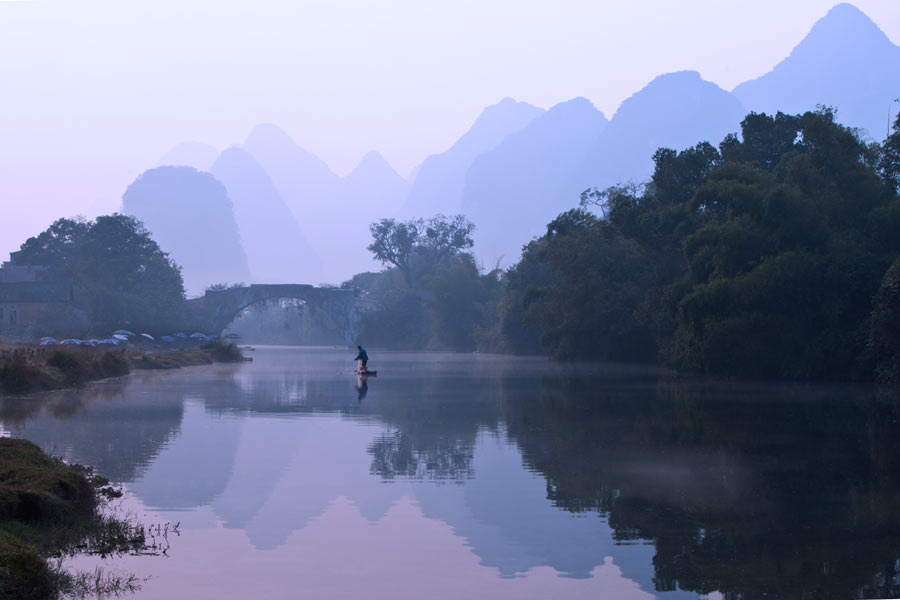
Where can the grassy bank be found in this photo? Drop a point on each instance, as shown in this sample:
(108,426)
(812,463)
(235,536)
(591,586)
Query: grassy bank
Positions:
(24,369)
(49,509)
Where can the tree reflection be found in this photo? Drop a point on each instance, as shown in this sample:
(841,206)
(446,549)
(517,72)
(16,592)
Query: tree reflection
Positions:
(396,455)
(754,491)
(112,425)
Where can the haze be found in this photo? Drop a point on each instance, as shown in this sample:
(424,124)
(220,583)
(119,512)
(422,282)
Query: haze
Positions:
(96,92)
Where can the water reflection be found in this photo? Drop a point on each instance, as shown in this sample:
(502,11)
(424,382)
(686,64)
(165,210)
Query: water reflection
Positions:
(118,426)
(757,491)
(752,490)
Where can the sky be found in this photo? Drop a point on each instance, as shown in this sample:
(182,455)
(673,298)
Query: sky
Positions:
(94,92)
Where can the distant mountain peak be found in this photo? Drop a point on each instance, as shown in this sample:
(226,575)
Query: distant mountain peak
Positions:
(676,77)
(845,61)
(847,14)
(438,185)
(843,36)
(191,154)
(273,137)
(844,27)
(373,163)
(280,155)
(372,157)
(508,106)
(234,153)
(270,130)
(579,105)
(683,90)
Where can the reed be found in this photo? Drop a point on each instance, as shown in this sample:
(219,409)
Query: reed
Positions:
(26,369)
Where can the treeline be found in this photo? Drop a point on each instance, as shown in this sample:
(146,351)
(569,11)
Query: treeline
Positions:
(759,258)
(433,294)
(768,257)
(119,275)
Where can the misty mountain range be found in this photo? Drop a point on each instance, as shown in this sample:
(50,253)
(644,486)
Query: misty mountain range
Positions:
(516,168)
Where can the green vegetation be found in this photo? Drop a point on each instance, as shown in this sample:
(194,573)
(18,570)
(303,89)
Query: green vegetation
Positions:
(417,247)
(722,482)
(207,354)
(766,257)
(48,508)
(758,259)
(433,295)
(24,370)
(119,274)
(754,490)
(884,337)
(34,369)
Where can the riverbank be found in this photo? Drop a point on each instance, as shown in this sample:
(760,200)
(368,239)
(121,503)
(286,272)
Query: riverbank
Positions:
(50,509)
(27,369)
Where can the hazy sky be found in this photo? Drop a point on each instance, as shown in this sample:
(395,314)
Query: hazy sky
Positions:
(94,92)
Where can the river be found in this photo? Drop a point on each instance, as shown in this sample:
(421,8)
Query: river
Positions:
(480,476)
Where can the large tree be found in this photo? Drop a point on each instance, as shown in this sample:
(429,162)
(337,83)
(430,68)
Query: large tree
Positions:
(416,247)
(757,259)
(122,277)
(583,284)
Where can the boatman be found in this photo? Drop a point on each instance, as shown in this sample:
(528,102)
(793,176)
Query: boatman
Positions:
(362,357)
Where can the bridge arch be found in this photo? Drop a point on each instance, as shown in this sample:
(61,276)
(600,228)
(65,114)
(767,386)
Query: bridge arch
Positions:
(216,309)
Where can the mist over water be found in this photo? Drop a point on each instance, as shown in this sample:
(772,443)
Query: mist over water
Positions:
(511,210)
(510,165)
(487,475)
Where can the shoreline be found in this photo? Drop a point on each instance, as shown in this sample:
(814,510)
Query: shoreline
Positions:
(49,509)
(25,369)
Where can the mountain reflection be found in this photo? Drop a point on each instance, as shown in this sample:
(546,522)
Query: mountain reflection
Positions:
(116,426)
(752,490)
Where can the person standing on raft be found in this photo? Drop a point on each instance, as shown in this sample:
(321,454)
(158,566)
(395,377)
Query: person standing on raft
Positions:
(363,358)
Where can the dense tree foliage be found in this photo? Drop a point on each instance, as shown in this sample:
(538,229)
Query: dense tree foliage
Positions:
(884,337)
(464,304)
(121,276)
(434,294)
(593,279)
(757,259)
(417,247)
(890,156)
(722,482)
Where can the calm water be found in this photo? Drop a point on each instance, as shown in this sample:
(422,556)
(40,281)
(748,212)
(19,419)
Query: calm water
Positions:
(466,476)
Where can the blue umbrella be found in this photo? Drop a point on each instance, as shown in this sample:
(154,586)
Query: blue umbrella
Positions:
(124,332)
(167,338)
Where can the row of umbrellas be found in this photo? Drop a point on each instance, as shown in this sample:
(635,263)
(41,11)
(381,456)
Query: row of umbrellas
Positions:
(124,336)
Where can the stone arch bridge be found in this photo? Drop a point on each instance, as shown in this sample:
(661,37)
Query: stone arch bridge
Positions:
(215,310)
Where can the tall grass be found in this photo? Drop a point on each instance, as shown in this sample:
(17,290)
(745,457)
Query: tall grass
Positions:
(50,510)
(27,369)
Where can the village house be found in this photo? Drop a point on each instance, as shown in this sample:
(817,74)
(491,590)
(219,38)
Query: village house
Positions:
(30,307)
(10,272)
